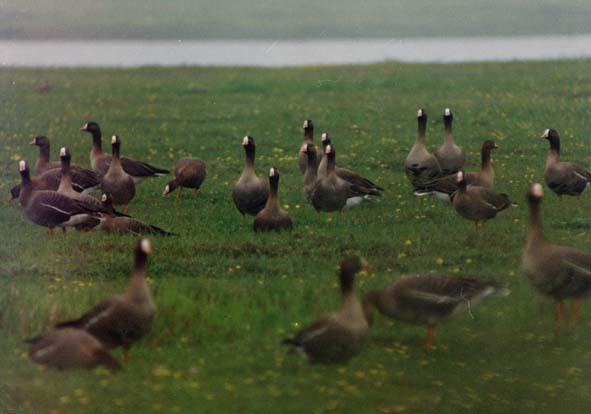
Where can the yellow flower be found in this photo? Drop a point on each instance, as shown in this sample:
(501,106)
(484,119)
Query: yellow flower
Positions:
(439,261)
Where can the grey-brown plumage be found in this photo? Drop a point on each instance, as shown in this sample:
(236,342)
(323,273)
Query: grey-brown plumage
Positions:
(65,186)
(308,139)
(564,178)
(250,192)
(272,217)
(309,151)
(188,173)
(420,165)
(451,157)
(69,349)
(337,337)
(116,181)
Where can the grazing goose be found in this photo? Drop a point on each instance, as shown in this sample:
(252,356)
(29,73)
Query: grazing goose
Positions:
(337,337)
(49,208)
(43,164)
(564,178)
(70,348)
(250,192)
(122,320)
(560,272)
(310,175)
(451,157)
(308,139)
(100,161)
(476,203)
(444,187)
(420,165)
(429,299)
(116,181)
(272,217)
(189,173)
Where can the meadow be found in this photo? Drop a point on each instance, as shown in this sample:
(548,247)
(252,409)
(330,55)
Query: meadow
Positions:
(226,296)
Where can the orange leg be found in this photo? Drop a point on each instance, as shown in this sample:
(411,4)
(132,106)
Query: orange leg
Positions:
(64,230)
(125,207)
(341,215)
(560,312)
(50,231)
(430,337)
(126,356)
(178,194)
(575,311)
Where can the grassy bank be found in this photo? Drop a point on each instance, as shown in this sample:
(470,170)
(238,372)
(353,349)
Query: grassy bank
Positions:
(226,296)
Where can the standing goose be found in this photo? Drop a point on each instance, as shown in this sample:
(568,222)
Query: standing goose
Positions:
(337,337)
(273,217)
(451,157)
(564,178)
(250,192)
(420,165)
(189,173)
(429,299)
(65,186)
(310,175)
(116,181)
(122,320)
(308,139)
(100,161)
(476,203)
(560,272)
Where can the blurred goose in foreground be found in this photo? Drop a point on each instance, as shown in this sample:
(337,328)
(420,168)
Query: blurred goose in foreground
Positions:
(444,187)
(451,157)
(429,299)
(250,192)
(116,181)
(122,320)
(188,172)
(337,337)
(100,161)
(559,272)
(272,217)
(564,178)
(308,139)
(70,348)
(420,165)
(476,203)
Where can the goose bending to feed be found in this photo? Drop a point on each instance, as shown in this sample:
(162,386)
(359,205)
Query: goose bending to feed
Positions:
(444,187)
(69,349)
(250,192)
(420,165)
(308,139)
(476,203)
(116,181)
(560,272)
(188,173)
(272,217)
(564,178)
(122,320)
(429,299)
(100,161)
(451,157)
(337,337)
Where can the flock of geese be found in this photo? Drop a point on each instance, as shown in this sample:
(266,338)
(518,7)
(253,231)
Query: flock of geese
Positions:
(58,197)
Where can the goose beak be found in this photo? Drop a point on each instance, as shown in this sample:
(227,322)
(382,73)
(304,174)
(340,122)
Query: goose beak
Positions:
(84,127)
(32,142)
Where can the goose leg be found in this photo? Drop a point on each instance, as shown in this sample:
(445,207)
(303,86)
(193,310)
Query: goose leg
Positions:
(341,215)
(64,230)
(126,356)
(430,337)
(575,311)
(178,194)
(197,192)
(50,231)
(560,312)
(125,207)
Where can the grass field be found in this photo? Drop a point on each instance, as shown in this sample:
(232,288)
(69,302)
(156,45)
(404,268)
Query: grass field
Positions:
(227,296)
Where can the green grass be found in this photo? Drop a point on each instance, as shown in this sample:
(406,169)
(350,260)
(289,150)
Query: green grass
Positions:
(283,19)
(226,296)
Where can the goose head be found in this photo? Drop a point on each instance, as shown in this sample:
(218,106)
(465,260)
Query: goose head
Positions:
(40,141)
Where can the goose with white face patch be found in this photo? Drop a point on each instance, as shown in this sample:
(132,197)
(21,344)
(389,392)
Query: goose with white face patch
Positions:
(420,165)
(116,181)
(450,156)
(308,139)
(273,217)
(250,192)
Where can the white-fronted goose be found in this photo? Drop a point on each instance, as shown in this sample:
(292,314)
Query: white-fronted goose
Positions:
(420,165)
(337,337)
(65,186)
(560,272)
(451,157)
(564,178)
(121,320)
(113,222)
(69,349)
(429,299)
(250,192)
(309,151)
(116,181)
(478,204)
(100,161)
(188,172)
(308,139)
(272,217)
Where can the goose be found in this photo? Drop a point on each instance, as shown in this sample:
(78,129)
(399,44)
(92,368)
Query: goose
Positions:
(49,208)
(100,161)
(116,181)
(339,336)
(65,186)
(444,187)
(250,192)
(560,272)
(272,217)
(564,178)
(427,299)
(70,348)
(308,139)
(188,172)
(310,175)
(122,320)
(476,203)
(451,157)
(420,165)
